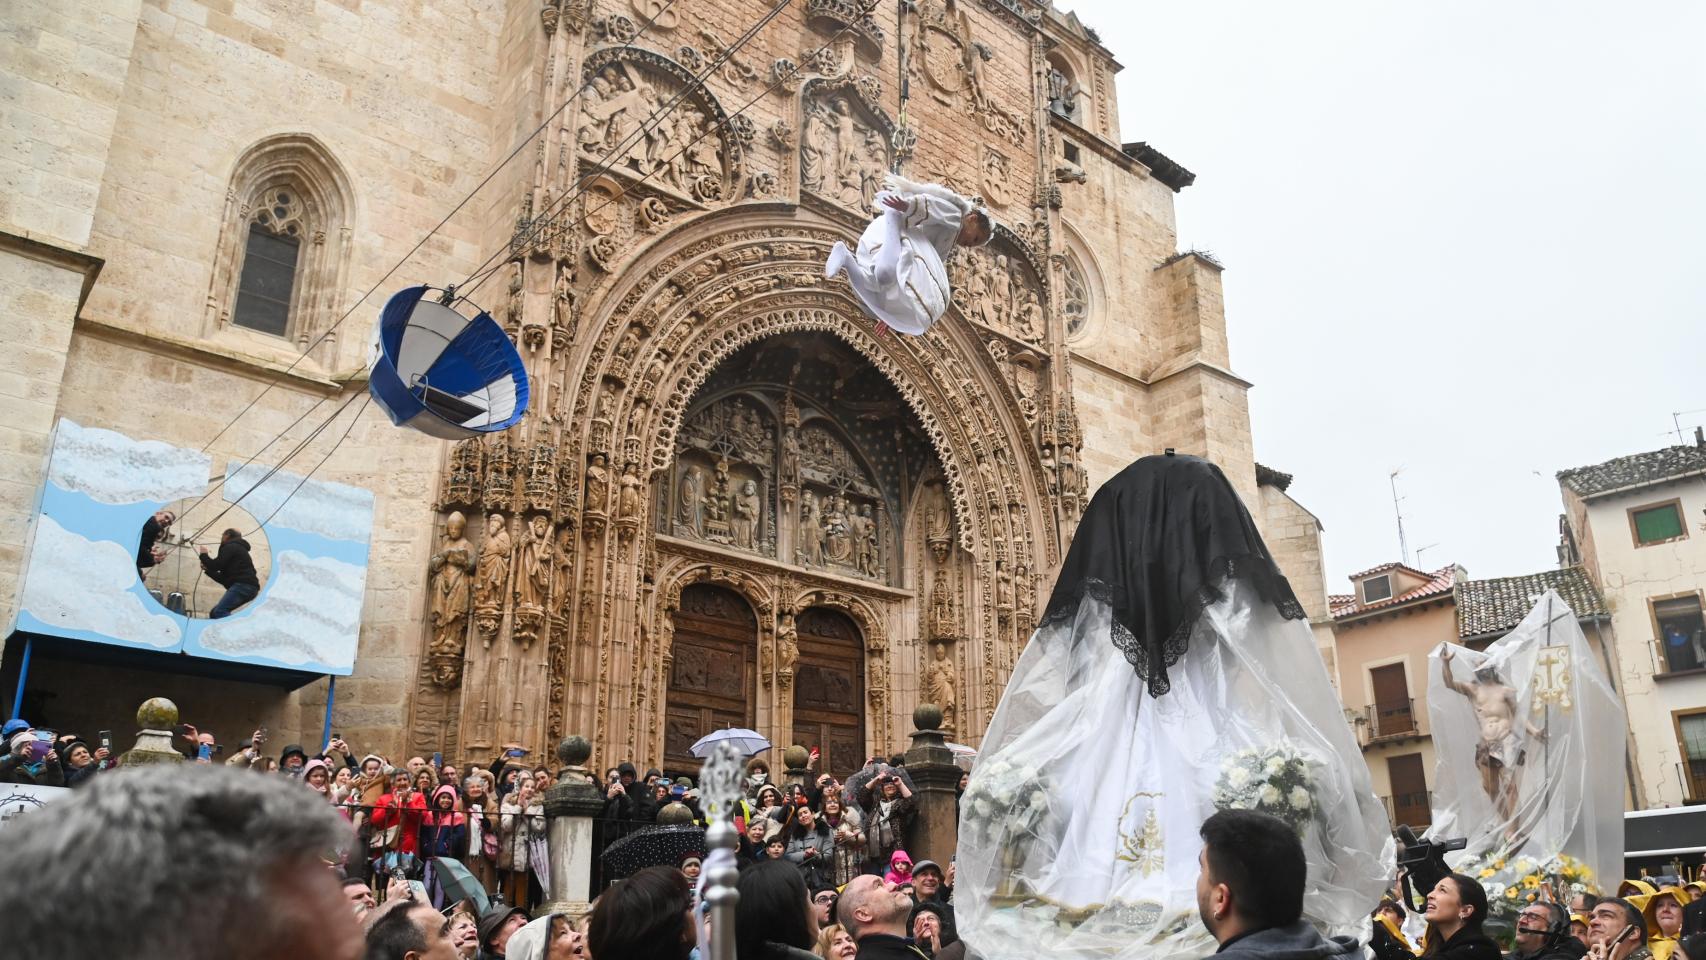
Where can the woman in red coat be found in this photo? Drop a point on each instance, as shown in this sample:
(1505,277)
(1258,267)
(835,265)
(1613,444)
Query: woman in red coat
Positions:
(397,824)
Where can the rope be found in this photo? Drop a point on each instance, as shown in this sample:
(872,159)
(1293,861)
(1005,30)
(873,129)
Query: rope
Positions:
(271,471)
(418,245)
(311,471)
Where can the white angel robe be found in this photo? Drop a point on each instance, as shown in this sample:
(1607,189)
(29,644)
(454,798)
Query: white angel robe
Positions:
(900,270)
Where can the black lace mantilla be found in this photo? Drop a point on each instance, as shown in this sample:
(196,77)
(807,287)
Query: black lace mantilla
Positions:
(1157,544)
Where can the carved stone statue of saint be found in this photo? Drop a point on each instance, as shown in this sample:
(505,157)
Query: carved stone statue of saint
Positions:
(870,558)
(493,577)
(1003,590)
(937,522)
(746,514)
(533,584)
(629,498)
(452,571)
(597,485)
(787,646)
(1031,317)
(605,408)
(939,684)
(1001,287)
(563,574)
(837,536)
(808,548)
(690,501)
(563,305)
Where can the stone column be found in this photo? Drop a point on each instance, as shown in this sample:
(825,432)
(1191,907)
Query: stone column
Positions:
(570,806)
(794,760)
(157,716)
(935,777)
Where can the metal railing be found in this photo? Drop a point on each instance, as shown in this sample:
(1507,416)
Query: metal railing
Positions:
(1387,720)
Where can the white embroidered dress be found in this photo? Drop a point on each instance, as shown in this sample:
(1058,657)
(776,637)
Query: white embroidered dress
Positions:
(899,271)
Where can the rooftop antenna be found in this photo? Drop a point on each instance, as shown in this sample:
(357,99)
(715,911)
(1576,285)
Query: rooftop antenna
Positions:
(1420,551)
(1676,423)
(1403,544)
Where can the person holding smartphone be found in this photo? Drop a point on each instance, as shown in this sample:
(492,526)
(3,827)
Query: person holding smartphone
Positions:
(1617,931)
(31,760)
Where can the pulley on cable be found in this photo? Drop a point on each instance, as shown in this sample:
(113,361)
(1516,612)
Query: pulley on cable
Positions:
(441,372)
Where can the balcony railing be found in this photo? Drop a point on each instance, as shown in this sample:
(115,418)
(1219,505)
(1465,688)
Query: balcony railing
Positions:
(1410,809)
(1388,720)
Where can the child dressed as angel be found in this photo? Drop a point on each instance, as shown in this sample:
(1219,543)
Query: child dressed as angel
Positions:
(899,271)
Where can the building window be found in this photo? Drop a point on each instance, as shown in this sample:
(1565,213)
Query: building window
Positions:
(1069,150)
(269,267)
(1682,633)
(1657,523)
(1691,742)
(284,246)
(1376,589)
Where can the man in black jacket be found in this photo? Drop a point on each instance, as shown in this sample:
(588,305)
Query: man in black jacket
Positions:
(875,915)
(233,570)
(1250,891)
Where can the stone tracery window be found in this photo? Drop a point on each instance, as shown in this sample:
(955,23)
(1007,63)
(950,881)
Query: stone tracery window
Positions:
(1076,297)
(285,241)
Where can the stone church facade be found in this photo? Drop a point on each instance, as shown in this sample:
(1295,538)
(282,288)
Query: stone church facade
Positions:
(732,503)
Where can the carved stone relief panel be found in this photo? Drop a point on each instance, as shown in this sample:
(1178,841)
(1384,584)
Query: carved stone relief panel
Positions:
(684,156)
(722,489)
(844,145)
(997,288)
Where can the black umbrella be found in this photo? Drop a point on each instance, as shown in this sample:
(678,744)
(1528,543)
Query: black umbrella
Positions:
(662,845)
(850,789)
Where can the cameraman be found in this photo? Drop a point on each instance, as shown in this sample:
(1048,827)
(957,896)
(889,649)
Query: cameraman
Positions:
(1543,933)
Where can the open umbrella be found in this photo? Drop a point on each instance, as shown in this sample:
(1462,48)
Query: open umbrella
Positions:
(964,756)
(458,884)
(850,789)
(663,845)
(748,742)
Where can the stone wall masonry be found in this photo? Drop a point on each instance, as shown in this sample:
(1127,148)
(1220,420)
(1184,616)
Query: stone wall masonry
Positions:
(40,288)
(400,94)
(65,66)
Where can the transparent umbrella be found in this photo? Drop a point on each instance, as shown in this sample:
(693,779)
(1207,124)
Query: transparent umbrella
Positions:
(748,742)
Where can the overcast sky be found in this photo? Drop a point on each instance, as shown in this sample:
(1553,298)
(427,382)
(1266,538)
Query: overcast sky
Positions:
(1461,238)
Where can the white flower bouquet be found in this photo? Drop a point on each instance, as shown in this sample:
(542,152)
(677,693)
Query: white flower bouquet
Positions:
(1273,780)
(1004,799)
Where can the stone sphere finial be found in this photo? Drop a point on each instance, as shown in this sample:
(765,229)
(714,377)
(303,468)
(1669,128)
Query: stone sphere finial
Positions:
(674,813)
(157,713)
(574,751)
(927,716)
(796,757)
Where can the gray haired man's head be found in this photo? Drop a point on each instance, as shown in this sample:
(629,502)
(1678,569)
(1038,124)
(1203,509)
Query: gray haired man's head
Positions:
(179,862)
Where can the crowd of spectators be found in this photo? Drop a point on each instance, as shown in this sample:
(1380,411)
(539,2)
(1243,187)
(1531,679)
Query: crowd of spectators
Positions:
(330,854)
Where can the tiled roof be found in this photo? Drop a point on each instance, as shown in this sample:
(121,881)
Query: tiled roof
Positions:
(1439,584)
(1269,477)
(1160,166)
(1393,565)
(1497,605)
(1636,470)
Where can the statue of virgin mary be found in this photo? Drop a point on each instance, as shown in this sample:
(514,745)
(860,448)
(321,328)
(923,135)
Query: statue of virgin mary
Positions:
(1172,674)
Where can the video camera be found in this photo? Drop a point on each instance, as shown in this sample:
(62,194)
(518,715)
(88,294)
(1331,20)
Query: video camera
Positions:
(1424,864)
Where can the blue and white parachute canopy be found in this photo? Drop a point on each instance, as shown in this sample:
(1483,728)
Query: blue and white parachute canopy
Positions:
(441,373)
